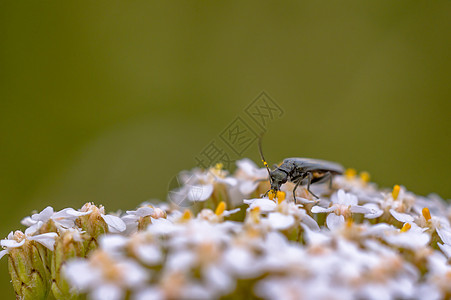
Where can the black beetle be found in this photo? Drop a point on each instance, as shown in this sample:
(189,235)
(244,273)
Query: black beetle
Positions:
(301,171)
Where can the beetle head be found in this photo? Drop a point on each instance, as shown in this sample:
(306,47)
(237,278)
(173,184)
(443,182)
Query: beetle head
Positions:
(278,178)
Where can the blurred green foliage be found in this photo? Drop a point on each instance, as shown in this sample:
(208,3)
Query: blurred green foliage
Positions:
(106,101)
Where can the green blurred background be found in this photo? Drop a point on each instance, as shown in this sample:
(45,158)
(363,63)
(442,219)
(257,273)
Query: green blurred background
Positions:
(107,101)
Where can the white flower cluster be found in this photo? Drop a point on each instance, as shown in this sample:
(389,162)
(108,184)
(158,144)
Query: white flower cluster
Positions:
(355,242)
(63,221)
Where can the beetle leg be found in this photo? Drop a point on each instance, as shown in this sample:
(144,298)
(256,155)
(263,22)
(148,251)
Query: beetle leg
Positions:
(309,176)
(294,189)
(330,179)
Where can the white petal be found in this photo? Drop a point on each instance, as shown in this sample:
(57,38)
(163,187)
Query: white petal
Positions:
(45,239)
(275,242)
(63,218)
(11,243)
(248,186)
(64,222)
(319,209)
(378,229)
(219,279)
(340,197)
(409,240)
(33,228)
(247,165)
(115,224)
(361,209)
(149,254)
(134,274)
(310,222)
(227,213)
(250,201)
(315,237)
(264,204)
(228,180)
(162,226)
(401,217)
(351,199)
(200,192)
(334,222)
(304,200)
(28,221)
(44,215)
(107,292)
(375,213)
(142,211)
(76,213)
(181,260)
(113,243)
(131,222)
(130,219)
(241,262)
(66,217)
(197,291)
(445,235)
(446,249)
(3,253)
(149,293)
(81,274)
(280,221)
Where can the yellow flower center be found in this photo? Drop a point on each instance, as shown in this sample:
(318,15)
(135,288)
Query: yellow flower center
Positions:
(280,196)
(365,176)
(426,213)
(255,214)
(220,208)
(395,192)
(187,215)
(406,227)
(350,173)
(271,194)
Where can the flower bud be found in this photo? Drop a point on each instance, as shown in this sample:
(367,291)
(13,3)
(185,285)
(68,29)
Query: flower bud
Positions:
(28,267)
(70,245)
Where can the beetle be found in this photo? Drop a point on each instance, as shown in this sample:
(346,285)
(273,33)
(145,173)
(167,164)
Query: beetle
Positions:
(301,171)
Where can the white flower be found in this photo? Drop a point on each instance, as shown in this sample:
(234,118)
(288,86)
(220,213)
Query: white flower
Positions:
(241,262)
(18,239)
(445,236)
(280,221)
(149,254)
(115,224)
(149,293)
(413,238)
(334,222)
(132,217)
(162,227)
(375,212)
(104,277)
(343,204)
(199,185)
(63,219)
(399,203)
(401,217)
(249,175)
(265,204)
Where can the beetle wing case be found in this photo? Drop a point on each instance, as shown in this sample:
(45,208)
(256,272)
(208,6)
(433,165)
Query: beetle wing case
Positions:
(310,164)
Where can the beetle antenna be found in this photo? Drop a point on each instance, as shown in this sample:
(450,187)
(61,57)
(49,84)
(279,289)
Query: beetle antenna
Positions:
(263,158)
